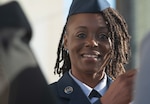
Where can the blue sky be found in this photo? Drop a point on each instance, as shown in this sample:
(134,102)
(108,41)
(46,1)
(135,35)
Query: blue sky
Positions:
(67,4)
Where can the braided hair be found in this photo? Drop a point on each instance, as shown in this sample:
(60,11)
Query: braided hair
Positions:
(120,39)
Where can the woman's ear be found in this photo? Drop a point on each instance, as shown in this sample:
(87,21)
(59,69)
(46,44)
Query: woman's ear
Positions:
(66,41)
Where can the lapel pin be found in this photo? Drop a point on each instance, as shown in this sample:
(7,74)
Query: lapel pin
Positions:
(68,90)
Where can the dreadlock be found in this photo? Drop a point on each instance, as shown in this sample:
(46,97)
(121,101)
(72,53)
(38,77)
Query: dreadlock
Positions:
(62,56)
(120,42)
(120,46)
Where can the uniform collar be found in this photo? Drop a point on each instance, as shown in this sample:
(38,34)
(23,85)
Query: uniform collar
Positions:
(70,90)
(100,87)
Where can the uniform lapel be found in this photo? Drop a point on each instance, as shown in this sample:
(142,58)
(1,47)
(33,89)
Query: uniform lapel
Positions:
(69,89)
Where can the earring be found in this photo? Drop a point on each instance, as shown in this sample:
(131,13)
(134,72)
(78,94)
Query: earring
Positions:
(66,50)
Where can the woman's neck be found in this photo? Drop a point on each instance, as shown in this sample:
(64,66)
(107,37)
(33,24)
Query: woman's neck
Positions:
(89,79)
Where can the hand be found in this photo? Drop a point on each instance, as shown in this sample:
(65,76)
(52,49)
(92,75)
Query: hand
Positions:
(121,90)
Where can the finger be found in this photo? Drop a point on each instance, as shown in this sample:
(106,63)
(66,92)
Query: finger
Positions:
(131,73)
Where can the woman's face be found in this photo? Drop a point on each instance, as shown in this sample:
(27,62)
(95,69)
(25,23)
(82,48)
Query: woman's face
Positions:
(87,42)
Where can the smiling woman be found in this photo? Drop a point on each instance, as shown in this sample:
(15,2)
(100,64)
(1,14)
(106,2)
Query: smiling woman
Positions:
(93,48)
(87,41)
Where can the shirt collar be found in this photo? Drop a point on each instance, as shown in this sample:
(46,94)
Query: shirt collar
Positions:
(100,87)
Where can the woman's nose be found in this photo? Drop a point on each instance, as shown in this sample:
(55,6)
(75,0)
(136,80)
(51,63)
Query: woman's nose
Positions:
(91,42)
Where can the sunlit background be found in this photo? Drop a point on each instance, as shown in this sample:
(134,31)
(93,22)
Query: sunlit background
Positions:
(47,18)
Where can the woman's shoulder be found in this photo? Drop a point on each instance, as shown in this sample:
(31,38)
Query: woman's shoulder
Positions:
(52,85)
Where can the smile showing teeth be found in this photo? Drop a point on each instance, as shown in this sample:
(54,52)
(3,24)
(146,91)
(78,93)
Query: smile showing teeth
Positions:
(91,56)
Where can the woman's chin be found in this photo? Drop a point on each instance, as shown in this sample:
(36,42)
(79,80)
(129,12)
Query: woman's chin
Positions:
(91,71)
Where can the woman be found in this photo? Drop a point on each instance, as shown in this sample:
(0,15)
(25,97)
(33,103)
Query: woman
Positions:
(93,49)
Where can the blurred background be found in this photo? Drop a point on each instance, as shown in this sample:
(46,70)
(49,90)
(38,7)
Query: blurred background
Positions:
(47,18)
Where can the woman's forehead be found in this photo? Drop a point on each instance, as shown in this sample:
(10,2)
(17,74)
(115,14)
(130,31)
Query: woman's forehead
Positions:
(84,19)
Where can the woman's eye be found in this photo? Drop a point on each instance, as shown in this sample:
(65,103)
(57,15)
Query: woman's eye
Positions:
(81,35)
(102,36)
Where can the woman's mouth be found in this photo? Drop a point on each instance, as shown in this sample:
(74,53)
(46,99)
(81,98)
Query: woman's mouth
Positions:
(91,56)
